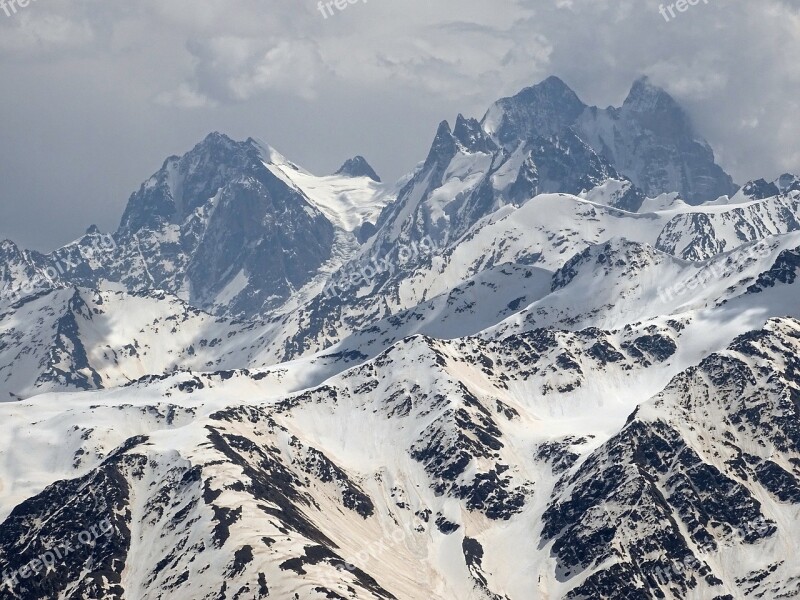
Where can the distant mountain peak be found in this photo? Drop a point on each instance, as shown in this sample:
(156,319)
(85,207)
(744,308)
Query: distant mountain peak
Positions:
(760,189)
(217,142)
(444,145)
(788,182)
(543,109)
(551,86)
(217,137)
(646,97)
(211,219)
(358,167)
(652,141)
(471,135)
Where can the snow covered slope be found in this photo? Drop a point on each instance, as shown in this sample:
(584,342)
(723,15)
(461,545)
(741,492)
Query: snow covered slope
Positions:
(511,375)
(544,232)
(429,460)
(617,271)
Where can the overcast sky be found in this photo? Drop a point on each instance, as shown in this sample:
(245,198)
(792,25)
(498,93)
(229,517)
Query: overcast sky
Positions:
(95,94)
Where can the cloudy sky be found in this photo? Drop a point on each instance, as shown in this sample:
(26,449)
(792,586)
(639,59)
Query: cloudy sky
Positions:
(95,94)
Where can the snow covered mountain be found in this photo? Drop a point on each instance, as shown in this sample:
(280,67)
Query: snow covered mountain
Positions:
(559,359)
(231,227)
(649,139)
(429,460)
(358,167)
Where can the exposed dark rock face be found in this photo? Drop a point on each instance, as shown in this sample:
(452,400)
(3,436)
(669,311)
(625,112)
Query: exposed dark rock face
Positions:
(679,485)
(358,167)
(760,189)
(649,139)
(216,222)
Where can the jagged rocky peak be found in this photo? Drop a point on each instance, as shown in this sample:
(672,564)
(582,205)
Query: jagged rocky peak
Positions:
(8,247)
(541,110)
(660,115)
(760,189)
(472,137)
(652,141)
(468,136)
(358,167)
(220,222)
(444,146)
(787,183)
(186,183)
(10,255)
(645,97)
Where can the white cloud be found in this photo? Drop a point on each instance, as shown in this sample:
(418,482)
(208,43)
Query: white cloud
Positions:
(184,97)
(33,33)
(236,69)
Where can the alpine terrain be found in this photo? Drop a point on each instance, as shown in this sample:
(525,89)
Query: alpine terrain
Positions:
(560,359)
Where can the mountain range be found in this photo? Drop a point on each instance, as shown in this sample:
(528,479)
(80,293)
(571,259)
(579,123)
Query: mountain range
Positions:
(558,359)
